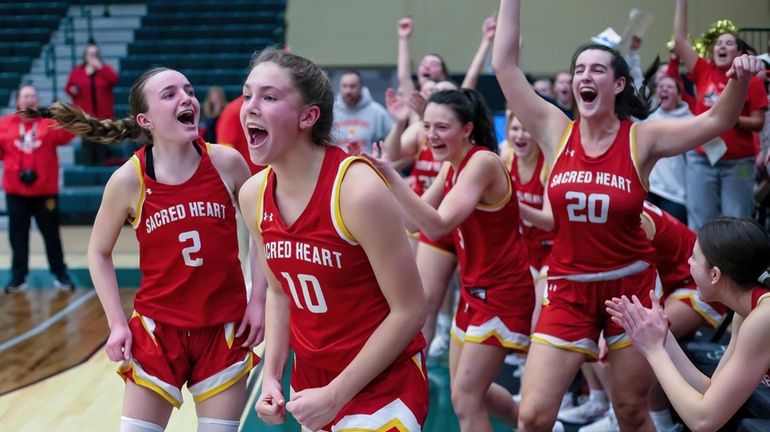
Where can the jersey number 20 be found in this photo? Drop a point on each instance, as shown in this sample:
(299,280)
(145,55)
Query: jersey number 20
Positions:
(306,281)
(587,208)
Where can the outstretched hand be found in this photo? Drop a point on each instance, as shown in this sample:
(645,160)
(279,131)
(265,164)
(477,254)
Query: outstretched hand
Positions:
(745,67)
(381,162)
(647,328)
(397,108)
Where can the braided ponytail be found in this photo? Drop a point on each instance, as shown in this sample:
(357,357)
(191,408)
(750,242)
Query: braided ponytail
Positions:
(78,122)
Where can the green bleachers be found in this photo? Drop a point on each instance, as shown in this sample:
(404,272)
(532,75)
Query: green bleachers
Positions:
(24,28)
(208,42)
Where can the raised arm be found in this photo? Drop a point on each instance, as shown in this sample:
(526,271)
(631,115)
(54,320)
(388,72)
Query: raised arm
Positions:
(663,138)
(543,120)
(395,148)
(120,196)
(682,47)
(404,63)
(477,64)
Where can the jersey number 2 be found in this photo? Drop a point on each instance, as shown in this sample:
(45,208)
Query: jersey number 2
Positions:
(189,250)
(587,208)
(306,281)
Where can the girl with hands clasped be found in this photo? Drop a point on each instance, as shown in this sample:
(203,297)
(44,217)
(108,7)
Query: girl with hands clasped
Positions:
(192,323)
(597,185)
(473,200)
(343,288)
(730,265)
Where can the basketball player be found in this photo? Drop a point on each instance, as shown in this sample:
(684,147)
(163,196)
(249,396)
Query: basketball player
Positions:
(596,189)
(474,200)
(344,292)
(192,324)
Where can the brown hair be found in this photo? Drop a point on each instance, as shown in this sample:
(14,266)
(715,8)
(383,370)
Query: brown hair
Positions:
(740,248)
(311,82)
(104,131)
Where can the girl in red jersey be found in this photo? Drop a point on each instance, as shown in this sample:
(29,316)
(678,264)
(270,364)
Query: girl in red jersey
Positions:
(473,198)
(596,189)
(192,324)
(730,265)
(344,292)
(529,171)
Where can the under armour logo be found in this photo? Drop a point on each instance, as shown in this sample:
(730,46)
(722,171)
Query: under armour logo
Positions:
(268,217)
(149,191)
(571,152)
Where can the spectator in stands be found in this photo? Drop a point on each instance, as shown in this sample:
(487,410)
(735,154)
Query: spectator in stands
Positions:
(544,87)
(212,108)
(730,265)
(230,132)
(562,88)
(720,175)
(358,119)
(667,179)
(31,184)
(91,85)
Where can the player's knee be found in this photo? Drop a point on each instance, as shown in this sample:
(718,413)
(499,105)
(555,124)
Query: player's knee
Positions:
(128,424)
(206,424)
(466,400)
(631,414)
(534,417)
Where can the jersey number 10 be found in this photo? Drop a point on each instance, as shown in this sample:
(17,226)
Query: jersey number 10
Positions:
(306,282)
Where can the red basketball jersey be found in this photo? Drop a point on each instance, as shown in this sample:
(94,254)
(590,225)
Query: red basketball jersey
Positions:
(532,193)
(673,242)
(425,170)
(336,302)
(188,248)
(490,249)
(596,204)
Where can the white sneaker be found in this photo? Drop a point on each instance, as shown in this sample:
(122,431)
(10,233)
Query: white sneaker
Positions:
(566,402)
(439,345)
(607,424)
(588,412)
(557,427)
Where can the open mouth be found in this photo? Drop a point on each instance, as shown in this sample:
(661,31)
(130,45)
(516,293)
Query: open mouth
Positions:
(520,145)
(187,118)
(257,136)
(588,95)
(437,146)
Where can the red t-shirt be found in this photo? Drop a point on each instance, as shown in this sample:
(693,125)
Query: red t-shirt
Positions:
(596,203)
(335,300)
(31,144)
(188,249)
(710,82)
